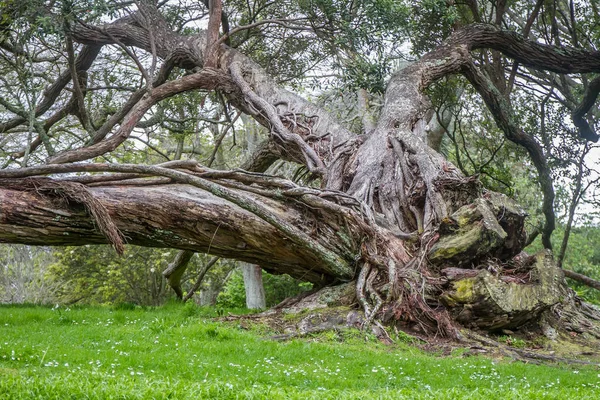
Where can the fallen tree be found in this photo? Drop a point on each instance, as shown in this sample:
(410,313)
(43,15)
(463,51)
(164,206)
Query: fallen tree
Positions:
(423,244)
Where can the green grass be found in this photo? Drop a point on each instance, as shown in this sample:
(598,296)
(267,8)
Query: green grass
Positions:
(178,352)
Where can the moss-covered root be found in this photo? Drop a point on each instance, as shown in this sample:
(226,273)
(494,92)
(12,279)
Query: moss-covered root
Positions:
(487,302)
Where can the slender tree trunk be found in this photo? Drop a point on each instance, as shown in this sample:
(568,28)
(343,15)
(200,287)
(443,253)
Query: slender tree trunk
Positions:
(253,283)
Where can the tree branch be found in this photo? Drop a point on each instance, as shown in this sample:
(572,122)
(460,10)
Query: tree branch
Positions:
(201,275)
(578,115)
(307,154)
(204,79)
(212,35)
(526,30)
(83,62)
(501,111)
(563,60)
(331,262)
(77,92)
(586,280)
(175,270)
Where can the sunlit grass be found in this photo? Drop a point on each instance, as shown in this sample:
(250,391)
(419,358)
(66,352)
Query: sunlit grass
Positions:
(180,352)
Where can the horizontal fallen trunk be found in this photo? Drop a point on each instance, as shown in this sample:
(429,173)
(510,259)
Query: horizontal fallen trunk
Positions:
(170,216)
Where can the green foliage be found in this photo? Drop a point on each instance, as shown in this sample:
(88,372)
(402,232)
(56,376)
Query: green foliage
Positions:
(433,19)
(474,143)
(277,289)
(94,274)
(362,53)
(234,293)
(360,74)
(160,353)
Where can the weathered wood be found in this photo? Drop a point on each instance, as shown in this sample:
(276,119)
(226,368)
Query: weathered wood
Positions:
(455,274)
(485,301)
(170,216)
(491,226)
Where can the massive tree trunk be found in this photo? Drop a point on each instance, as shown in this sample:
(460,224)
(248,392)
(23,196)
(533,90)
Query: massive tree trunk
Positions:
(424,244)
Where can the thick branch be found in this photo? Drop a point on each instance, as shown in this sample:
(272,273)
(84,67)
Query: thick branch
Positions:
(293,140)
(329,260)
(563,60)
(176,269)
(189,52)
(75,193)
(171,216)
(205,79)
(589,99)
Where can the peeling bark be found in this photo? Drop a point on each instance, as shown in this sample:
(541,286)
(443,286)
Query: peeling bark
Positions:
(172,216)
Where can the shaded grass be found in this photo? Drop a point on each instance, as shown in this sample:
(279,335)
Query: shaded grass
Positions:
(179,352)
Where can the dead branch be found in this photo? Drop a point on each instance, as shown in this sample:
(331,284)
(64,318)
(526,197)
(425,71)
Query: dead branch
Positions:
(201,275)
(586,280)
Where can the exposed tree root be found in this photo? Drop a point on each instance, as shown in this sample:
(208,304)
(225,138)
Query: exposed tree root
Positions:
(491,346)
(344,319)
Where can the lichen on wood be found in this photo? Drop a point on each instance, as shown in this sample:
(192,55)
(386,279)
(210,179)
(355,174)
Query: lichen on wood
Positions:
(486,301)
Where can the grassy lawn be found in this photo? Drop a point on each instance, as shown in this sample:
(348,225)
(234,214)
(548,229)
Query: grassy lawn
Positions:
(176,352)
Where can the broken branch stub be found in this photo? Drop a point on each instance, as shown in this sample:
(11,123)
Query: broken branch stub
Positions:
(492,226)
(486,301)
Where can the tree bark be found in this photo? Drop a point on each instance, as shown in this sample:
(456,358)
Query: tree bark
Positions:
(171,216)
(253,283)
(586,280)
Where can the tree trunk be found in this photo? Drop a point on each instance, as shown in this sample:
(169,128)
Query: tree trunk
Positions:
(174,216)
(253,283)
(208,296)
